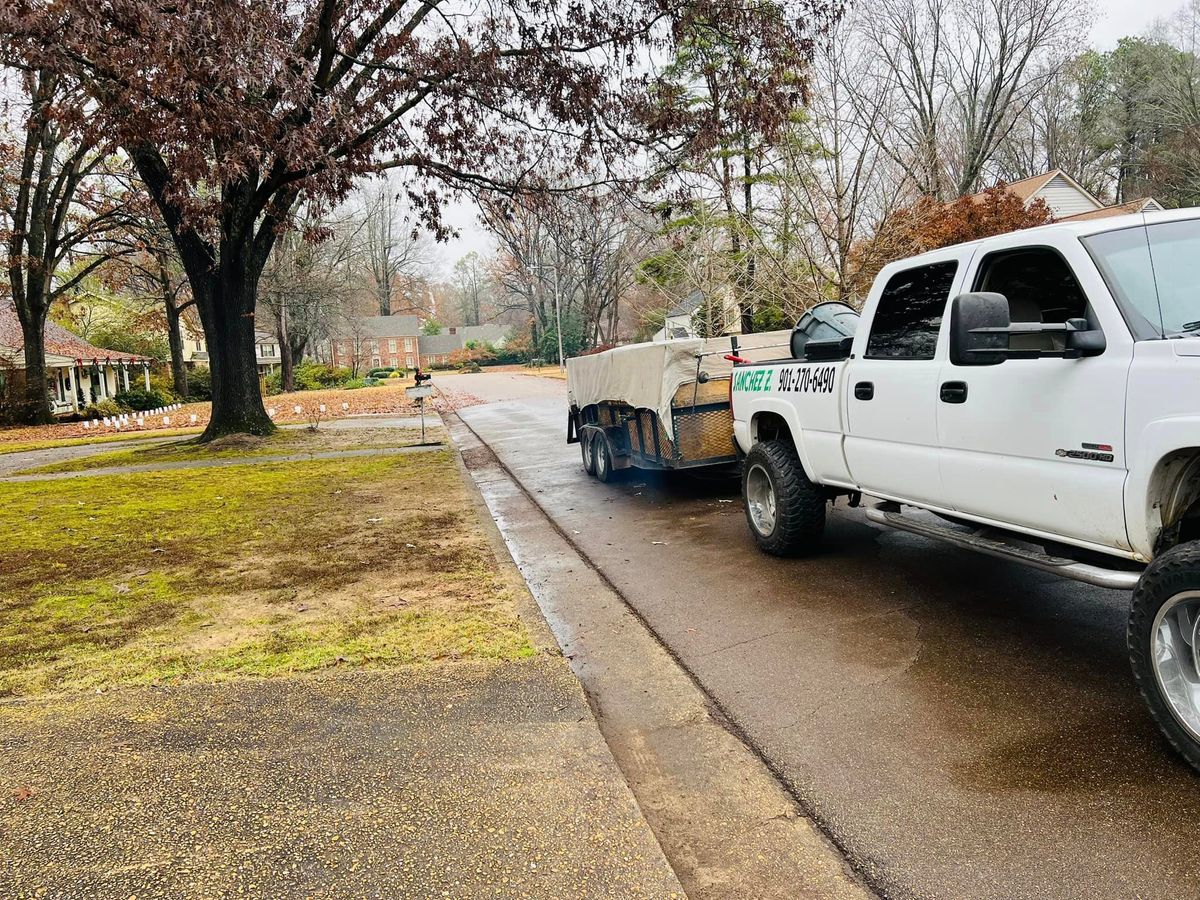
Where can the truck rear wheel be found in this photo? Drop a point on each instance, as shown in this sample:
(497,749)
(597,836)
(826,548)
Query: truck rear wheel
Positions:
(587,449)
(785,511)
(1164,645)
(603,455)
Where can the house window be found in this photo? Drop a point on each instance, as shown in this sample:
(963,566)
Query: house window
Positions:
(408,362)
(391,345)
(408,345)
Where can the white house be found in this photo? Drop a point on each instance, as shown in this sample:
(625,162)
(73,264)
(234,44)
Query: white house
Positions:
(1068,199)
(77,374)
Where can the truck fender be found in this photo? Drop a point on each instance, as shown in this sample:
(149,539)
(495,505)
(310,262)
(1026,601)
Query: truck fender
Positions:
(1163,480)
(778,410)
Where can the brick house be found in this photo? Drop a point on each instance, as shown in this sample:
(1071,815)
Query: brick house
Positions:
(373,342)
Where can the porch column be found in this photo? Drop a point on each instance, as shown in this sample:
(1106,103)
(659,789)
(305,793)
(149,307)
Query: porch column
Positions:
(125,374)
(146,374)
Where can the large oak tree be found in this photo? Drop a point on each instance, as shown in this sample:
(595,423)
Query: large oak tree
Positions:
(228,108)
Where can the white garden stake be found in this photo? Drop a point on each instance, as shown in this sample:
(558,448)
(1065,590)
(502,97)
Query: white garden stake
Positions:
(192,417)
(297,410)
(345,407)
(321,407)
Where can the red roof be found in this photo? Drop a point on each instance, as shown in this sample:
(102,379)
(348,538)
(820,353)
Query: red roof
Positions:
(59,341)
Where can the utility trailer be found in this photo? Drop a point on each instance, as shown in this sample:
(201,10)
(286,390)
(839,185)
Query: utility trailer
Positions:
(660,405)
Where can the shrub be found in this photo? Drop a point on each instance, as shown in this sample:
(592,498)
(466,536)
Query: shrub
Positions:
(354,384)
(101,408)
(381,372)
(140,400)
(314,376)
(470,368)
(199,384)
(161,384)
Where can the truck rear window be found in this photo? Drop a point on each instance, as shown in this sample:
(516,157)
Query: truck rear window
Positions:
(909,314)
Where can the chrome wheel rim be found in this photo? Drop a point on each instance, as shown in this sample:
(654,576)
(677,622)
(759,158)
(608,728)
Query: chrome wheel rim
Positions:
(601,459)
(760,500)
(1175,654)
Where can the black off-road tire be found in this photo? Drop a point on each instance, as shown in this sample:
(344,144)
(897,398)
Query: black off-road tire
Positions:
(604,464)
(587,450)
(799,504)
(1170,574)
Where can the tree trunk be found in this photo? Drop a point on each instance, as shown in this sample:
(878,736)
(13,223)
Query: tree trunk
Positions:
(227,311)
(175,339)
(287,377)
(37,404)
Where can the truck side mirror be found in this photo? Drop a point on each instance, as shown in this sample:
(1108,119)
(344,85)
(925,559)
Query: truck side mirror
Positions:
(978,323)
(1083,340)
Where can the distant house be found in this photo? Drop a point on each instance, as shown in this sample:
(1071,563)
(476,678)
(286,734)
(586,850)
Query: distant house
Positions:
(682,319)
(436,348)
(195,349)
(373,342)
(78,374)
(1067,198)
(496,335)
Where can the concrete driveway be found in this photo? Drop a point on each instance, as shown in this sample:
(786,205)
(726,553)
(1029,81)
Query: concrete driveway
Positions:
(960,726)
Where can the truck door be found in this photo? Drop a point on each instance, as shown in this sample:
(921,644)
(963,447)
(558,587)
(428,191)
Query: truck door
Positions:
(1039,442)
(891,435)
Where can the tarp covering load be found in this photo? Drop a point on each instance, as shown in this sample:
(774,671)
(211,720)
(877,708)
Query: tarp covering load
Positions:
(646,376)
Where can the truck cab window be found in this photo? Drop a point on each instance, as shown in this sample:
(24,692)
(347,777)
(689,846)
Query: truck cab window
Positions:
(909,314)
(1040,287)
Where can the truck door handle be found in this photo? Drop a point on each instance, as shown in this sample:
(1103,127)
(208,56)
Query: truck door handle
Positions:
(864,390)
(954,392)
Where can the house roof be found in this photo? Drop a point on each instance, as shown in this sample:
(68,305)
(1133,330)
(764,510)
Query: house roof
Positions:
(439,343)
(1142,204)
(59,341)
(389,326)
(687,305)
(487,333)
(1027,187)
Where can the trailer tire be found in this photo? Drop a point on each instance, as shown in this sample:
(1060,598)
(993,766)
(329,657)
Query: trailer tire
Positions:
(1162,652)
(587,449)
(603,455)
(785,511)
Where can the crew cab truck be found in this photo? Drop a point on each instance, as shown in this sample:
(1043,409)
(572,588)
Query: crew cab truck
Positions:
(1035,396)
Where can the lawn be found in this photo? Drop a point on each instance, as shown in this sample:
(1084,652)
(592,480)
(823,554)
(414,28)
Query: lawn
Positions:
(284,442)
(262,569)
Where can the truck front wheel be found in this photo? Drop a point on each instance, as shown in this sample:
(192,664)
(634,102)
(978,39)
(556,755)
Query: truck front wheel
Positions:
(785,511)
(1164,645)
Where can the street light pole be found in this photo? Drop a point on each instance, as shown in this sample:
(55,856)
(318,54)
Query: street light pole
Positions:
(562,363)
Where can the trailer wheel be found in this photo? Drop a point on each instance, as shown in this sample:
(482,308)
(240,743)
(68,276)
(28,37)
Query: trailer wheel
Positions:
(602,454)
(1164,645)
(587,450)
(785,511)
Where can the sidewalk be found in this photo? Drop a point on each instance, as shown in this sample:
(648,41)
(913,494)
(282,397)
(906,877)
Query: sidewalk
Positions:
(472,780)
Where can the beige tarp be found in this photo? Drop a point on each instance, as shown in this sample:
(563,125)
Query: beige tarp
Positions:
(646,376)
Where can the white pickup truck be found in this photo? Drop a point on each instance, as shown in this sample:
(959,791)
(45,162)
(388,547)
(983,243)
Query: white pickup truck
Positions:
(1034,396)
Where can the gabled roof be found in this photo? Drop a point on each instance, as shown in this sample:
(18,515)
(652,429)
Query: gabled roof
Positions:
(389,326)
(1142,204)
(687,305)
(439,343)
(59,341)
(1026,188)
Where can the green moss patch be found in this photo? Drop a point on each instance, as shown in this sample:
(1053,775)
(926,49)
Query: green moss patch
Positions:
(259,569)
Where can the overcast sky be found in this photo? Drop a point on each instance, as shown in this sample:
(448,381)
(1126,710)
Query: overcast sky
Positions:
(1116,19)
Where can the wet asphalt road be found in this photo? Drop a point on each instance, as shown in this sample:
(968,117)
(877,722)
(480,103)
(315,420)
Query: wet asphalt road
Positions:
(961,726)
